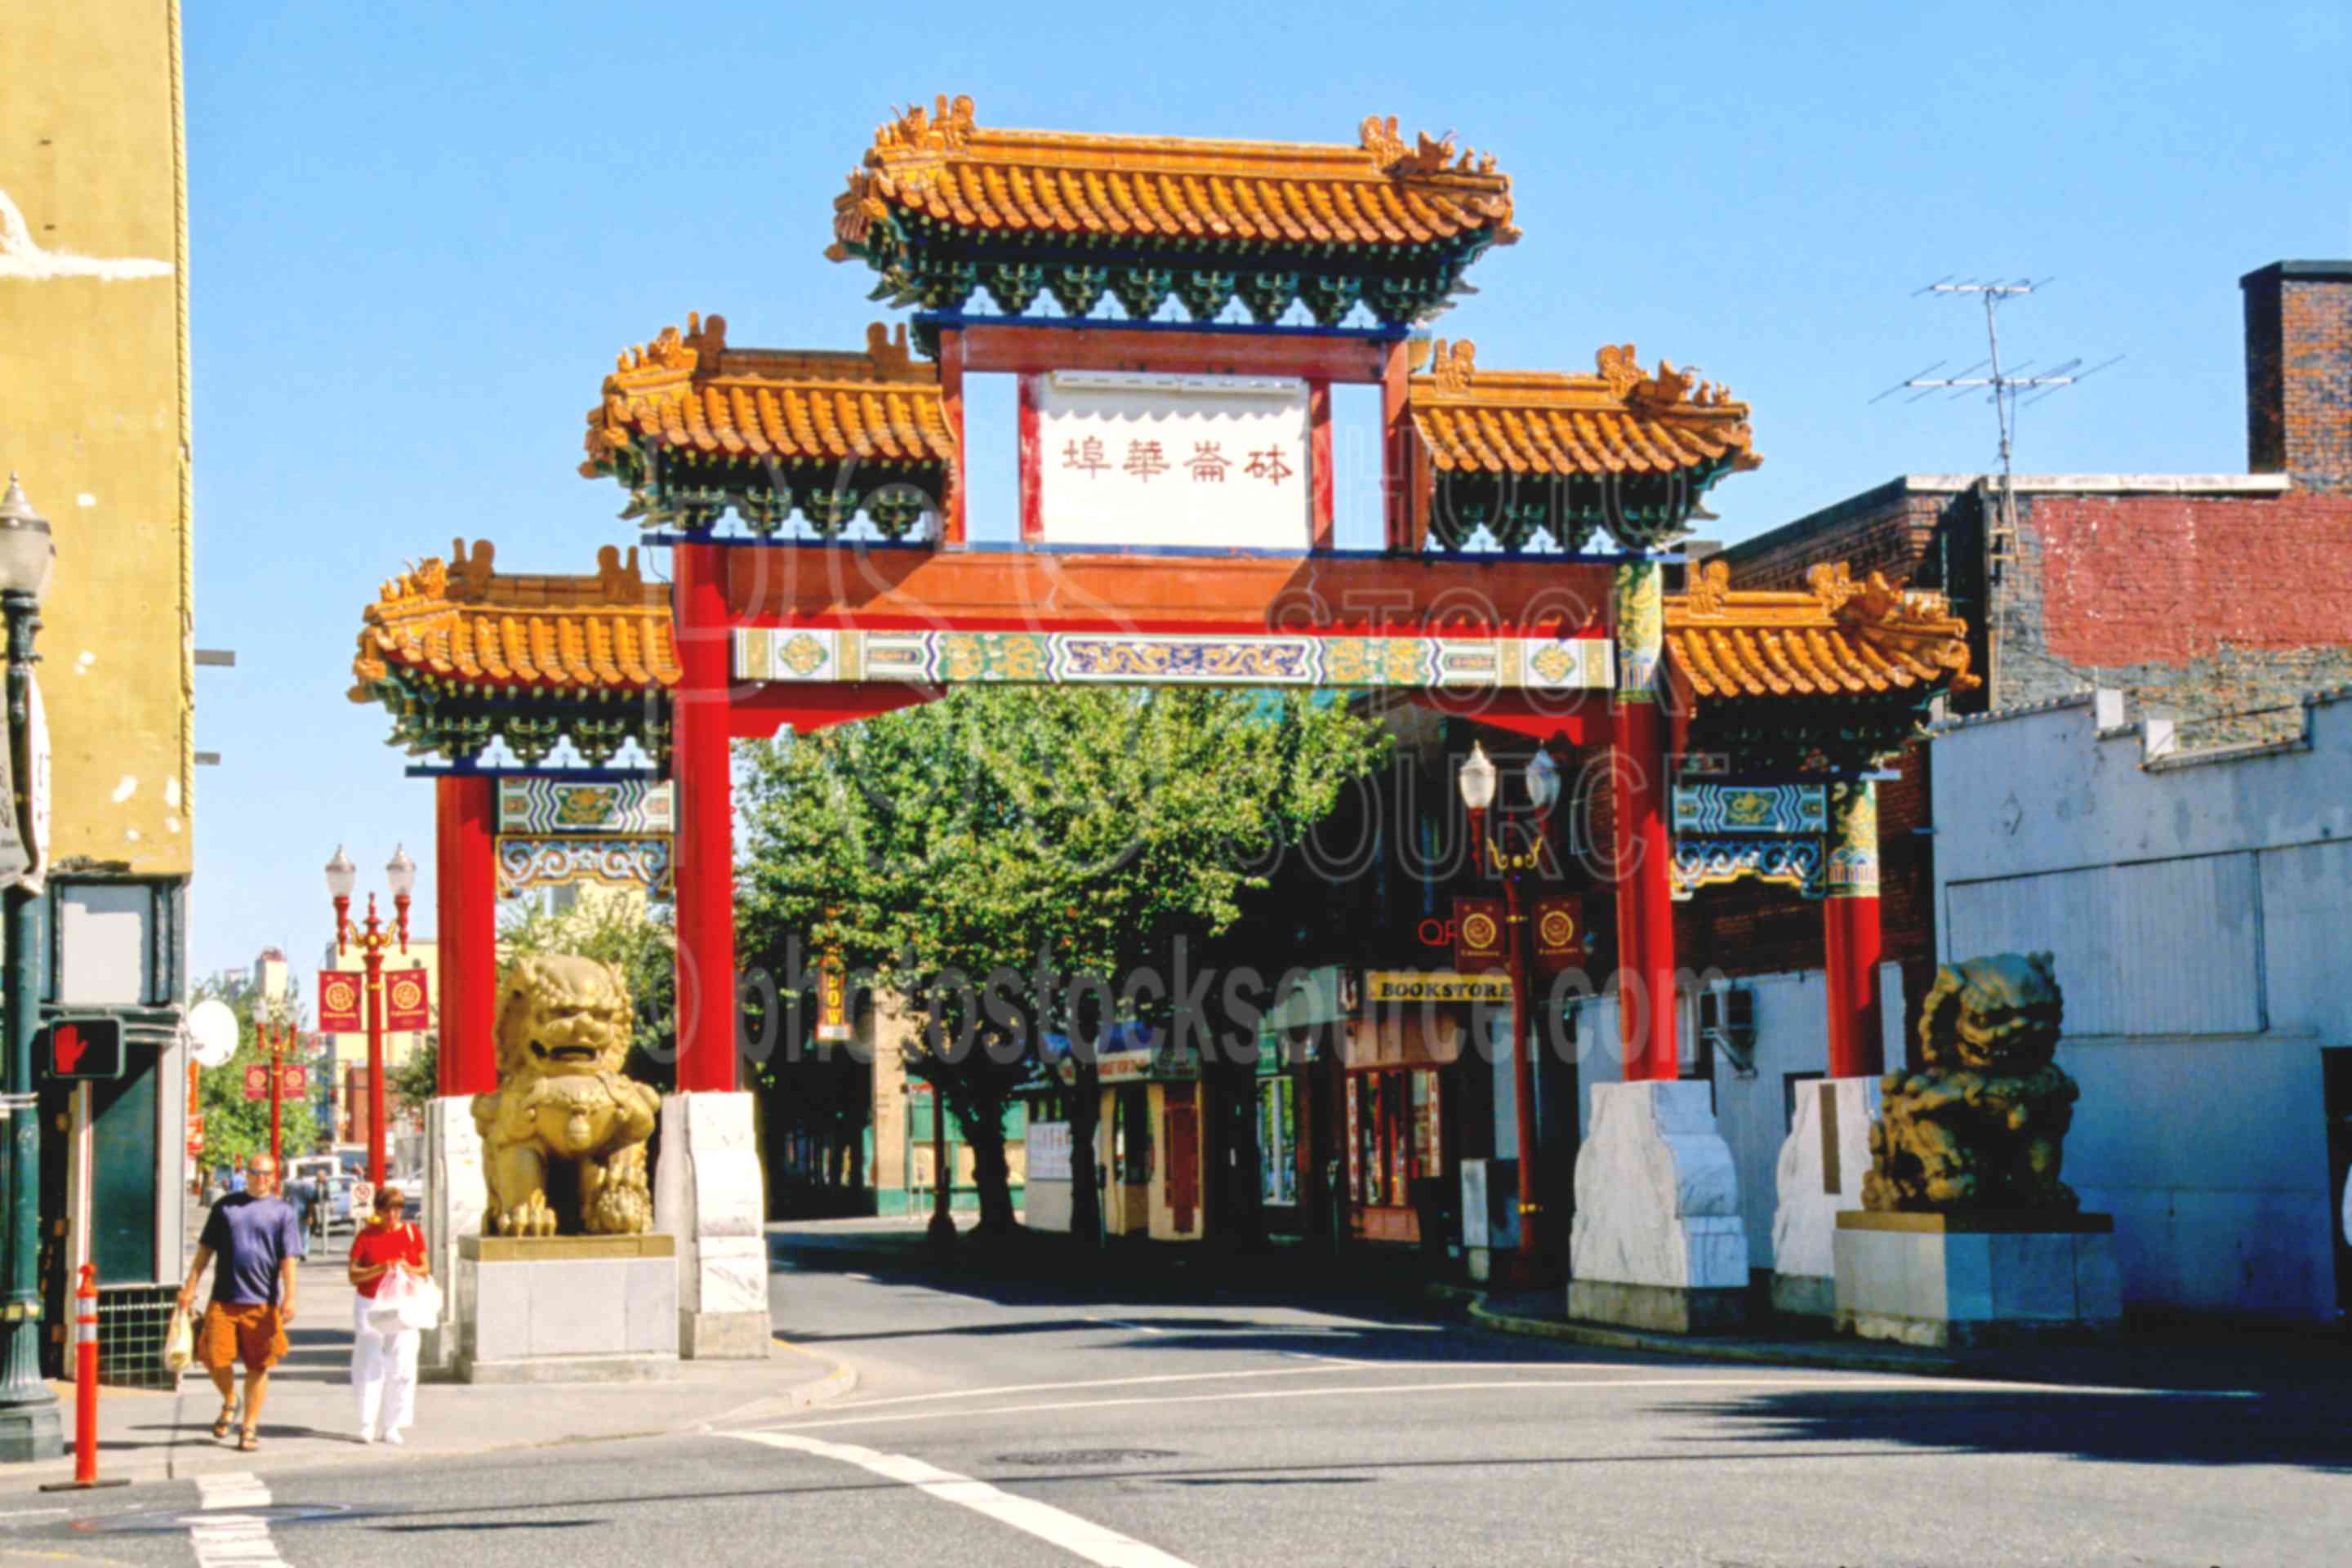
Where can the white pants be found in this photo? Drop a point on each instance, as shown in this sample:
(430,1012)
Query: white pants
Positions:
(384,1372)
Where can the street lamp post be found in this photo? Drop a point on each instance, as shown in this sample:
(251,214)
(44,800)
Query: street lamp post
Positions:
(942,1229)
(400,874)
(30,1427)
(1477,782)
(275,1039)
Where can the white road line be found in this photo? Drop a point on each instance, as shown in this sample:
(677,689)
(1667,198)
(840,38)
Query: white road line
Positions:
(229,1538)
(1850,1381)
(1081,1537)
(1064,1387)
(1123,1323)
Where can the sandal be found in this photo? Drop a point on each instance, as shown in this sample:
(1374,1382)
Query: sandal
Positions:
(248,1441)
(228,1419)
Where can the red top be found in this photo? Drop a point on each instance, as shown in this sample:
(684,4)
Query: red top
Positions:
(383,1244)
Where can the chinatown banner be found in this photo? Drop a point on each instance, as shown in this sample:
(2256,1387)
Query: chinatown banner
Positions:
(1478,935)
(1559,934)
(293,1080)
(339,1003)
(406,1009)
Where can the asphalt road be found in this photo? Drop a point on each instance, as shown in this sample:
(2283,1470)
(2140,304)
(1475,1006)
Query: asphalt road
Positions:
(1013,1427)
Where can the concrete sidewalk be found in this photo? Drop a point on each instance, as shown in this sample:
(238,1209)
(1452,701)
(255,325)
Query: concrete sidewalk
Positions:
(311,1417)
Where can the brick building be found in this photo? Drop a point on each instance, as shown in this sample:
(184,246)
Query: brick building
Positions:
(2216,601)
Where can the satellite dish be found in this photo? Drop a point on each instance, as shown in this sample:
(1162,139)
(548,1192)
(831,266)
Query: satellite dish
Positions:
(212,1032)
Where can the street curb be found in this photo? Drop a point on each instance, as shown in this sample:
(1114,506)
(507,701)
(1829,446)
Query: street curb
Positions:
(1606,1338)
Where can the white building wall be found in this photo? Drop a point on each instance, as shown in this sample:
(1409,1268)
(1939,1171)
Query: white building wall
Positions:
(2197,910)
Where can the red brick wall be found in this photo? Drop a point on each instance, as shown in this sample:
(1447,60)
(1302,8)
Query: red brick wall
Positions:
(2299,372)
(2136,580)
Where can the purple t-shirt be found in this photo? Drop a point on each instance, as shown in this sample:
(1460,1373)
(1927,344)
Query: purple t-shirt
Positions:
(251,1237)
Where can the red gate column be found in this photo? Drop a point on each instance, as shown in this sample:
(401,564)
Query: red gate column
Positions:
(1850,934)
(705,870)
(1646,911)
(466,929)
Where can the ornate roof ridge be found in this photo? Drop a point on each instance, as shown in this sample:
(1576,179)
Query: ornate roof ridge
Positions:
(673,359)
(1837,636)
(469,578)
(1449,373)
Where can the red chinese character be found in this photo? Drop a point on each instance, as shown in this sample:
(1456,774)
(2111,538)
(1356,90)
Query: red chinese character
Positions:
(1144,459)
(1086,456)
(1207,463)
(1268,466)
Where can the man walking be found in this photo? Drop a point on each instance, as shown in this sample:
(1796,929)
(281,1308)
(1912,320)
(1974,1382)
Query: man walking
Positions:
(257,1238)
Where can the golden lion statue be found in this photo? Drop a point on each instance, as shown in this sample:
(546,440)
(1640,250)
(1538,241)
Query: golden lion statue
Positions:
(1982,1123)
(563,1033)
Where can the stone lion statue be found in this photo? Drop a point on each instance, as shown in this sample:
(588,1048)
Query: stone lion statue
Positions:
(1981,1124)
(562,1106)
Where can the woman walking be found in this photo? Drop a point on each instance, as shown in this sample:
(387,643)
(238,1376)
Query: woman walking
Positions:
(384,1365)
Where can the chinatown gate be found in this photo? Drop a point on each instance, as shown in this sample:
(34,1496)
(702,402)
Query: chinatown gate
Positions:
(1176,527)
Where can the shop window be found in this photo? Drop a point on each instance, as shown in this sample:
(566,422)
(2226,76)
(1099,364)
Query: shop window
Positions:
(1395,1138)
(1131,1136)
(1278,1142)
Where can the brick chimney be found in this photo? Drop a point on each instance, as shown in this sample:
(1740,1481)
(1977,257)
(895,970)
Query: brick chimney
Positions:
(2299,372)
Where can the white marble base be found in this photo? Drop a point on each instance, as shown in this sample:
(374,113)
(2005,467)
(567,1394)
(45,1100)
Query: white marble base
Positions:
(1657,1202)
(456,1194)
(529,1320)
(709,1193)
(1823,1161)
(1972,1279)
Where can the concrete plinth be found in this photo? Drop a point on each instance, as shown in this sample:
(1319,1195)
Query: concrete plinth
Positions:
(1963,1280)
(457,1196)
(565,1308)
(1823,1161)
(709,1193)
(1658,1242)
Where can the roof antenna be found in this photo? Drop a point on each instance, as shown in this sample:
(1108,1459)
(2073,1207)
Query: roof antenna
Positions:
(2003,387)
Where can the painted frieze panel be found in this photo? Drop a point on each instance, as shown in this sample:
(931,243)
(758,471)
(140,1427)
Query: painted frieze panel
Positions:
(545,806)
(527,862)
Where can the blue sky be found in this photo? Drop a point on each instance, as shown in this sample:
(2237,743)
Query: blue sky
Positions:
(421,232)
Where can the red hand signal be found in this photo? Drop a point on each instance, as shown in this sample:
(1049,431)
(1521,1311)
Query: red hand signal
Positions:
(68,1045)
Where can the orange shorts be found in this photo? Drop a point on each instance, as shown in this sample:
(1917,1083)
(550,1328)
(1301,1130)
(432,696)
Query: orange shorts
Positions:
(241,1330)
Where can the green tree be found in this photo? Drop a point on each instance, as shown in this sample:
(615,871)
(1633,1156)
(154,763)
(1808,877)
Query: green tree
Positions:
(235,1128)
(962,851)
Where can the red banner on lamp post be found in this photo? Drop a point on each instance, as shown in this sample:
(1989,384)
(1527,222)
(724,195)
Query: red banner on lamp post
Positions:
(1478,935)
(339,1003)
(405,1005)
(1557,926)
(293,1082)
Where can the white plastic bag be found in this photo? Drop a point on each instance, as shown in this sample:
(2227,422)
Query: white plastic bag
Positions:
(179,1343)
(403,1302)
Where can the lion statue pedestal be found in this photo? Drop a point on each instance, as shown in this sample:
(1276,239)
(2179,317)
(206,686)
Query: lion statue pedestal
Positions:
(1966,1234)
(563,1282)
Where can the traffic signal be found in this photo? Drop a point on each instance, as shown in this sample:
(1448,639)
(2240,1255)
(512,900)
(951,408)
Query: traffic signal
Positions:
(86,1049)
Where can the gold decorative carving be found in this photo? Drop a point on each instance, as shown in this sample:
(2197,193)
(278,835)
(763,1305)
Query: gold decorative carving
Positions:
(1454,366)
(1709,588)
(1982,1123)
(947,127)
(562,1108)
(1619,368)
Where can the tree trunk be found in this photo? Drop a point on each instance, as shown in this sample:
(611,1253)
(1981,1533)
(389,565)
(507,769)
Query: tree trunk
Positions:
(1085,1191)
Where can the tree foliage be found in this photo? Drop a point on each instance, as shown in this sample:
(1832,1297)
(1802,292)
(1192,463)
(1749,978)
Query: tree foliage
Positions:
(235,1128)
(963,851)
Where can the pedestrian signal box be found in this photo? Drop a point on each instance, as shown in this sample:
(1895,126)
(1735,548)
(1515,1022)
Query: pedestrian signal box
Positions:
(86,1049)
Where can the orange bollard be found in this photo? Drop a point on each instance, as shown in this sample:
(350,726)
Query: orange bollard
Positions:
(85,1389)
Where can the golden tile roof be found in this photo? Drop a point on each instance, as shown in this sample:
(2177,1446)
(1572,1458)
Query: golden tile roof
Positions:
(690,392)
(460,621)
(1619,421)
(1379,192)
(1844,638)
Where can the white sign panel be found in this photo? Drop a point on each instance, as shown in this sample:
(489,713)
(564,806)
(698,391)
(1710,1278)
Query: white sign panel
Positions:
(1049,1151)
(1135,459)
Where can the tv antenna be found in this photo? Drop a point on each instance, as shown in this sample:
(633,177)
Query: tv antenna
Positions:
(2003,385)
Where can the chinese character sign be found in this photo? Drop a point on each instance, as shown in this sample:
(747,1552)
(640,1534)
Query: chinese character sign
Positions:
(1141,459)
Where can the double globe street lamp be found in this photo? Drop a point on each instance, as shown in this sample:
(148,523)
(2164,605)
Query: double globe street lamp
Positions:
(30,1427)
(1476,781)
(372,939)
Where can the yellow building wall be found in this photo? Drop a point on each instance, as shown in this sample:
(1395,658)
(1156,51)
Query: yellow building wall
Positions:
(1163,1216)
(94,410)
